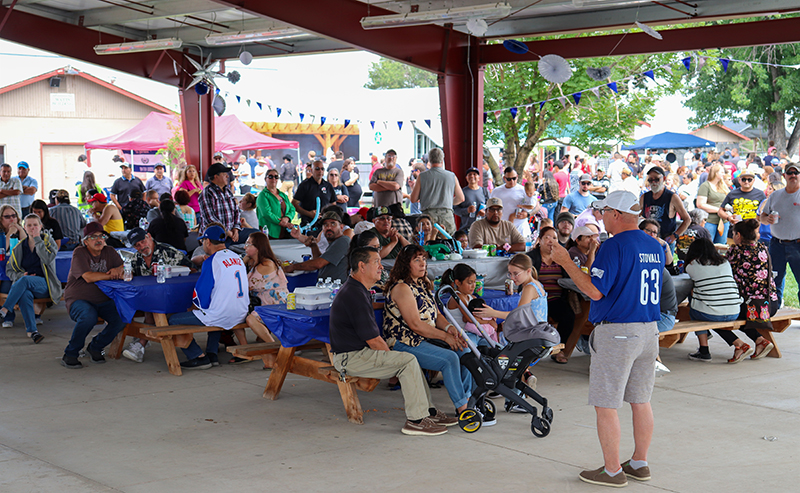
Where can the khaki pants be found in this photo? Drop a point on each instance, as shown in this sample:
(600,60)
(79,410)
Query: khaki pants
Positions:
(370,363)
(287,187)
(443,217)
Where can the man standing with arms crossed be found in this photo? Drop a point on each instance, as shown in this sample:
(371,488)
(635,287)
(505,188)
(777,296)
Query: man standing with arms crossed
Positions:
(625,288)
(781,211)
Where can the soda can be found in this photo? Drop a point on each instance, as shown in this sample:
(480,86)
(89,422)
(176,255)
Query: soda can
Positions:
(509,287)
(291,304)
(154,266)
(479,282)
(168,271)
(775,215)
(492,250)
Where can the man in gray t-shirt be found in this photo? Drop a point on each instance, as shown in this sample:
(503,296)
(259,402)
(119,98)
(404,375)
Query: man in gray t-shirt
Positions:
(784,247)
(437,190)
(387,183)
(332,263)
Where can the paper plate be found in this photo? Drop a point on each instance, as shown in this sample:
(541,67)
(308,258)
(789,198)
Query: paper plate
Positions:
(649,30)
(515,46)
(555,69)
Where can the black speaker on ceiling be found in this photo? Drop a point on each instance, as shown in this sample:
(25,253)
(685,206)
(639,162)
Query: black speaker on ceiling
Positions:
(55,81)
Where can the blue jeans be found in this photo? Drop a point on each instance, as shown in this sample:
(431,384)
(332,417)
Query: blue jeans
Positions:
(457,379)
(783,253)
(85,316)
(23,292)
(720,239)
(667,322)
(551,210)
(695,315)
(194,351)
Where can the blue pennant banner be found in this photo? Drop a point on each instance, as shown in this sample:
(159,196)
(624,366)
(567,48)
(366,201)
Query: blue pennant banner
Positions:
(577,97)
(613,86)
(687,62)
(724,62)
(346,123)
(650,74)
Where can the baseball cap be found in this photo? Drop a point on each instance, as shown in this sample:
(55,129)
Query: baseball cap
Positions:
(381,211)
(136,235)
(494,202)
(216,169)
(215,233)
(329,215)
(159,165)
(62,194)
(582,231)
(620,200)
(657,169)
(586,177)
(93,228)
(23,164)
(98,197)
(791,165)
(751,170)
(473,170)
(287,157)
(218,155)
(123,164)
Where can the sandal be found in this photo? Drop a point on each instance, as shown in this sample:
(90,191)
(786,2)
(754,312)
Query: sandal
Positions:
(559,358)
(762,350)
(741,353)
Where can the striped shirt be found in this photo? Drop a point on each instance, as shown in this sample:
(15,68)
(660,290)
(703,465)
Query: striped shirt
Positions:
(715,292)
(71,221)
(218,205)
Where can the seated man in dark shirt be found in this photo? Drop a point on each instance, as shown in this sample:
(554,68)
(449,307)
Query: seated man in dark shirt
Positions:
(359,350)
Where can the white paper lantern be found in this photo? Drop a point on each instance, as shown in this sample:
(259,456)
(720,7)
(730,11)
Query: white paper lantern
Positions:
(245,57)
(555,69)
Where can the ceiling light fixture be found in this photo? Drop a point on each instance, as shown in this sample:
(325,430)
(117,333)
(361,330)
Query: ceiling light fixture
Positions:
(139,46)
(603,3)
(456,14)
(242,37)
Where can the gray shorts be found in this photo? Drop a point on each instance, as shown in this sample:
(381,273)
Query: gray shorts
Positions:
(623,364)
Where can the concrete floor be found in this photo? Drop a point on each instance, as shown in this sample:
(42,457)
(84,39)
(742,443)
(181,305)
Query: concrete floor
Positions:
(133,427)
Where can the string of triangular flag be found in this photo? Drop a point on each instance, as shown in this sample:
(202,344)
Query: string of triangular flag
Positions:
(303,116)
(576,96)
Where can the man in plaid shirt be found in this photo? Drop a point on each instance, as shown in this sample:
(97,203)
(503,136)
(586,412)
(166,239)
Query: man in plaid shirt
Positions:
(218,205)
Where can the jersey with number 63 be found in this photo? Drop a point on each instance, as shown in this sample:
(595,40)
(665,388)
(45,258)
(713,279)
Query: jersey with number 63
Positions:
(221,293)
(627,271)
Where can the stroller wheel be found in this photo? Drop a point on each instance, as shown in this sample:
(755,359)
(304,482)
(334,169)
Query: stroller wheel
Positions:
(469,420)
(547,414)
(540,427)
(489,410)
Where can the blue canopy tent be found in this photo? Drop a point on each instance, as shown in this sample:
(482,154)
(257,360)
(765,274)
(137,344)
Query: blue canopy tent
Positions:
(669,140)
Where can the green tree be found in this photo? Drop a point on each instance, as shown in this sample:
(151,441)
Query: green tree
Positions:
(595,124)
(759,94)
(389,74)
(174,154)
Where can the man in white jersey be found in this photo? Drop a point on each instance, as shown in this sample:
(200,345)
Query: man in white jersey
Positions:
(625,288)
(781,211)
(221,298)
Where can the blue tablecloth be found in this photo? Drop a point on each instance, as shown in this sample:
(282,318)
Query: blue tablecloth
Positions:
(63,263)
(303,280)
(146,294)
(297,327)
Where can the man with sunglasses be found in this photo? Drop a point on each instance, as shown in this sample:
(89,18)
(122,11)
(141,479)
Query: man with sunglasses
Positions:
(305,199)
(744,200)
(781,211)
(92,262)
(663,206)
(577,201)
(512,195)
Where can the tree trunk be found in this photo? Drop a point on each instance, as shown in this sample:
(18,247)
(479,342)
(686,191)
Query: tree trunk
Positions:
(497,173)
(793,145)
(777,128)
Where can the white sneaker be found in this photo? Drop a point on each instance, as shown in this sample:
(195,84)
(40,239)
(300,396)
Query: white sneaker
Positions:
(661,369)
(7,324)
(39,320)
(531,381)
(134,352)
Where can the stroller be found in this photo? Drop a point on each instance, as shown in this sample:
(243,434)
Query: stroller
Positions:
(501,369)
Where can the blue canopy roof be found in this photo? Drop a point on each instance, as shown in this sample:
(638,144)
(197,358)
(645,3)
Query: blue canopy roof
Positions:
(669,140)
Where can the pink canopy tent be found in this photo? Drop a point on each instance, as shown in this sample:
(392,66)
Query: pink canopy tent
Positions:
(152,134)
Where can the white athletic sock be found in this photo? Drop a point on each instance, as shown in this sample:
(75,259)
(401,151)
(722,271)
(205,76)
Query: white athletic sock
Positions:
(638,464)
(612,474)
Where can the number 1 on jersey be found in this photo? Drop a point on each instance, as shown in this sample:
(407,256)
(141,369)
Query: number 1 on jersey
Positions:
(239,279)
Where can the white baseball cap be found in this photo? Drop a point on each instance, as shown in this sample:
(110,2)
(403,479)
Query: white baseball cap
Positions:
(620,200)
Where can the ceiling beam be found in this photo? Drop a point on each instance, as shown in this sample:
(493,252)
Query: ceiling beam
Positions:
(420,46)
(760,33)
(78,42)
(121,15)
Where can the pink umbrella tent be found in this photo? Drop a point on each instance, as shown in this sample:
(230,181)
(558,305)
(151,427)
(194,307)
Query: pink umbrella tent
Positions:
(152,134)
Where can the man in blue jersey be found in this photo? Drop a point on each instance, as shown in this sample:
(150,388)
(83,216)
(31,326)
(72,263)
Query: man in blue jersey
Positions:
(221,298)
(625,288)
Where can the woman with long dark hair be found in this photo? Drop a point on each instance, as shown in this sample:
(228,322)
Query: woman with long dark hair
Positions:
(715,295)
(548,191)
(412,319)
(49,224)
(86,189)
(168,227)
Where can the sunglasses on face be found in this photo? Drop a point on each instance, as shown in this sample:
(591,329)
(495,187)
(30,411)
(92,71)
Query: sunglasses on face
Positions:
(586,183)
(745,180)
(272,177)
(512,179)
(9,216)
(333,174)
(654,180)
(792,173)
(318,169)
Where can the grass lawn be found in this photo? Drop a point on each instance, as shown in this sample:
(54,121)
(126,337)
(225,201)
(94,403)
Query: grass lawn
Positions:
(790,290)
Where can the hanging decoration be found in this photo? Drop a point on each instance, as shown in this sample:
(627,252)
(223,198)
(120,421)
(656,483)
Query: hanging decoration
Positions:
(649,30)
(399,125)
(233,77)
(245,57)
(599,74)
(477,27)
(577,97)
(724,62)
(555,69)
(649,73)
(687,62)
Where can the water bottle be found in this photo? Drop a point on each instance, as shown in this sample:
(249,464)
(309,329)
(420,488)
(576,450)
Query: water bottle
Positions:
(320,284)
(528,243)
(161,274)
(143,223)
(127,275)
(475,205)
(328,283)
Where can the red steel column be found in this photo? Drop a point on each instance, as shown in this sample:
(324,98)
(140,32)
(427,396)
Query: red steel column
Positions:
(197,119)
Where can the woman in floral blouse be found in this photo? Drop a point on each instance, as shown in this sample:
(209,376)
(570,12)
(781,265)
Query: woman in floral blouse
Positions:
(412,321)
(752,271)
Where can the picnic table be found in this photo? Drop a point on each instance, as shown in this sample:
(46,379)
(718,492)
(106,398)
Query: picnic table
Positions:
(291,250)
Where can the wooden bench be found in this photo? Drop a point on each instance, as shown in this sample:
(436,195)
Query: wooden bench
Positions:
(267,351)
(780,322)
(39,304)
(347,390)
(173,336)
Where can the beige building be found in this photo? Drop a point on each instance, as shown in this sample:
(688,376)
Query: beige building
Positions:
(723,135)
(47,119)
